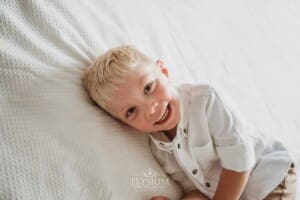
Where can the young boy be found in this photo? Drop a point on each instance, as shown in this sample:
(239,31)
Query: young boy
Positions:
(195,136)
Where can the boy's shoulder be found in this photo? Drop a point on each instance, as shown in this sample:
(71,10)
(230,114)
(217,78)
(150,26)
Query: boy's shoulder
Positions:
(196,89)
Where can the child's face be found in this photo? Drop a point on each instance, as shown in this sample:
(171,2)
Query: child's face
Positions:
(146,100)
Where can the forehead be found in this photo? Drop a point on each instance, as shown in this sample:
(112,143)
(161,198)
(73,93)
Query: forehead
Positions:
(135,77)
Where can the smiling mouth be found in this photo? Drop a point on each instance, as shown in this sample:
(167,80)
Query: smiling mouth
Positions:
(164,118)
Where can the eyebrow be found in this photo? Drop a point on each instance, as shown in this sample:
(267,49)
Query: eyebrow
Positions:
(140,82)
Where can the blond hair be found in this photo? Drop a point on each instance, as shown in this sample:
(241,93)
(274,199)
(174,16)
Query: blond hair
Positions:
(104,75)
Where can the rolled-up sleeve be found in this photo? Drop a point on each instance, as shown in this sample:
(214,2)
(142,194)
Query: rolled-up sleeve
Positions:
(233,140)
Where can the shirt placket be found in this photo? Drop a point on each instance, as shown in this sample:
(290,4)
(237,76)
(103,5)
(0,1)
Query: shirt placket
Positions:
(187,165)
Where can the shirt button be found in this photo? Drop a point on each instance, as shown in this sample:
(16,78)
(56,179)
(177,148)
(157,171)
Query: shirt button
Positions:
(185,130)
(161,144)
(207,184)
(178,145)
(195,171)
(292,165)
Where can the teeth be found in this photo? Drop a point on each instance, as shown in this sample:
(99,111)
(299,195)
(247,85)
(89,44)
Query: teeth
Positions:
(165,115)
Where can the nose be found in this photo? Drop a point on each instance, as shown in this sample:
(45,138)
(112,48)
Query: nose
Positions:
(151,109)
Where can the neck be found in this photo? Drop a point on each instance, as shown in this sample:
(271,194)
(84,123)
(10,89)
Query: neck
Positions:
(171,133)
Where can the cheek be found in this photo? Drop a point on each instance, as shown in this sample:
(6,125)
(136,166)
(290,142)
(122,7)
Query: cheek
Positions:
(161,86)
(144,125)
(164,91)
(138,124)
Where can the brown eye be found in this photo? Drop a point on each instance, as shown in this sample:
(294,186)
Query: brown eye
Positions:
(147,88)
(130,111)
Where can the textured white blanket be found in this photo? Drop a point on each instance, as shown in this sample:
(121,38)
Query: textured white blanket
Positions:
(55,144)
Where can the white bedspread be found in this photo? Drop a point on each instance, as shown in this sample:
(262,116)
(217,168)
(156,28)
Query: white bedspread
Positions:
(55,144)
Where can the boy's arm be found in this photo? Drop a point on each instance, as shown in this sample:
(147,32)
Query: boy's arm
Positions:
(231,185)
(194,195)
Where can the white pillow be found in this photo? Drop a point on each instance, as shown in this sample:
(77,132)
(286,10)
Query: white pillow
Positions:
(55,143)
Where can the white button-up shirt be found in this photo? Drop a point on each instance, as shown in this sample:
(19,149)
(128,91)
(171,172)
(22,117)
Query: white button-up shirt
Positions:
(211,136)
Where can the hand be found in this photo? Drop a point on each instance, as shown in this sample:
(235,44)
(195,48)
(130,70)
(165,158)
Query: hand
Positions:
(159,198)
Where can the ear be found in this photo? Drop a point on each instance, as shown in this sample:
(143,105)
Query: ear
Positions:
(163,68)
